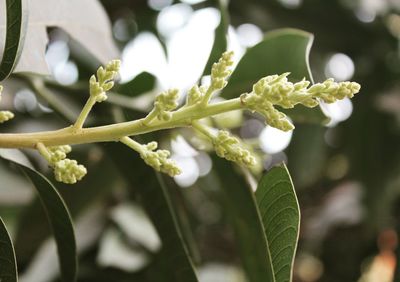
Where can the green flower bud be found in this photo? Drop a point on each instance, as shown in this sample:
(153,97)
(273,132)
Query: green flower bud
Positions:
(69,171)
(5,116)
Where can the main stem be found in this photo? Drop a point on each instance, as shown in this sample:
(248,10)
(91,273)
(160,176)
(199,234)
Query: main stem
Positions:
(114,132)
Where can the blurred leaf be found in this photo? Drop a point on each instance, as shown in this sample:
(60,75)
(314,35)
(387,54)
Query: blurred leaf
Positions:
(85,21)
(220,39)
(8,264)
(142,83)
(174,262)
(17,14)
(59,219)
(307,147)
(280,213)
(249,231)
(283,50)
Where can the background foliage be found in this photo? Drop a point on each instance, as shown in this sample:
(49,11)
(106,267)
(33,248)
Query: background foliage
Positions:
(346,176)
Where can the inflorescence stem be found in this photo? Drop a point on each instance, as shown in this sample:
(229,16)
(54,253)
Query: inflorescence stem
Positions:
(114,132)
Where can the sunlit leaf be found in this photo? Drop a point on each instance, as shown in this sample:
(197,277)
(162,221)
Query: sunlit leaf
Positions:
(8,264)
(17,14)
(85,21)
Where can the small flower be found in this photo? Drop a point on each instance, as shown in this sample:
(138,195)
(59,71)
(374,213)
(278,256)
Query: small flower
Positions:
(69,171)
(165,102)
(230,148)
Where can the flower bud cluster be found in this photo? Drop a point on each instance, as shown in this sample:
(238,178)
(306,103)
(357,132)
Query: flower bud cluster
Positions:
(104,81)
(229,147)
(277,90)
(159,159)
(220,71)
(5,115)
(165,102)
(69,171)
(195,95)
(65,170)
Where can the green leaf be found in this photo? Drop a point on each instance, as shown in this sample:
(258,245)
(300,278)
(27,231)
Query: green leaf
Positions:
(220,39)
(280,213)
(58,216)
(282,50)
(8,264)
(17,14)
(143,82)
(266,223)
(174,262)
(246,222)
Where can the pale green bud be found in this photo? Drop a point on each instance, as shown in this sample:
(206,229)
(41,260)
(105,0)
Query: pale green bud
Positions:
(5,116)
(166,101)
(194,96)
(230,148)
(220,71)
(59,152)
(69,171)
(159,160)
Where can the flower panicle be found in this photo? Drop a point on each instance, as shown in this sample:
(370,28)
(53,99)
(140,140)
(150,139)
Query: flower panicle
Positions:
(65,170)
(277,90)
(159,159)
(103,81)
(166,102)
(220,71)
(231,148)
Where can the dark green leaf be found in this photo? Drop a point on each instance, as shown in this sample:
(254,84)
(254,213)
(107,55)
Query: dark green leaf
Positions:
(280,213)
(174,262)
(283,50)
(142,83)
(220,39)
(249,231)
(17,14)
(59,219)
(8,264)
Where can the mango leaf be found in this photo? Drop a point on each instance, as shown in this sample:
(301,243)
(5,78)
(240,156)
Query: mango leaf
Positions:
(17,14)
(58,216)
(142,83)
(85,21)
(282,50)
(280,213)
(246,222)
(8,264)
(173,262)
(266,225)
(220,37)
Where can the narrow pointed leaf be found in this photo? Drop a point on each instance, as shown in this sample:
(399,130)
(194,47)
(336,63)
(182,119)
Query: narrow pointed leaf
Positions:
(16,14)
(8,264)
(283,50)
(246,222)
(280,213)
(58,216)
